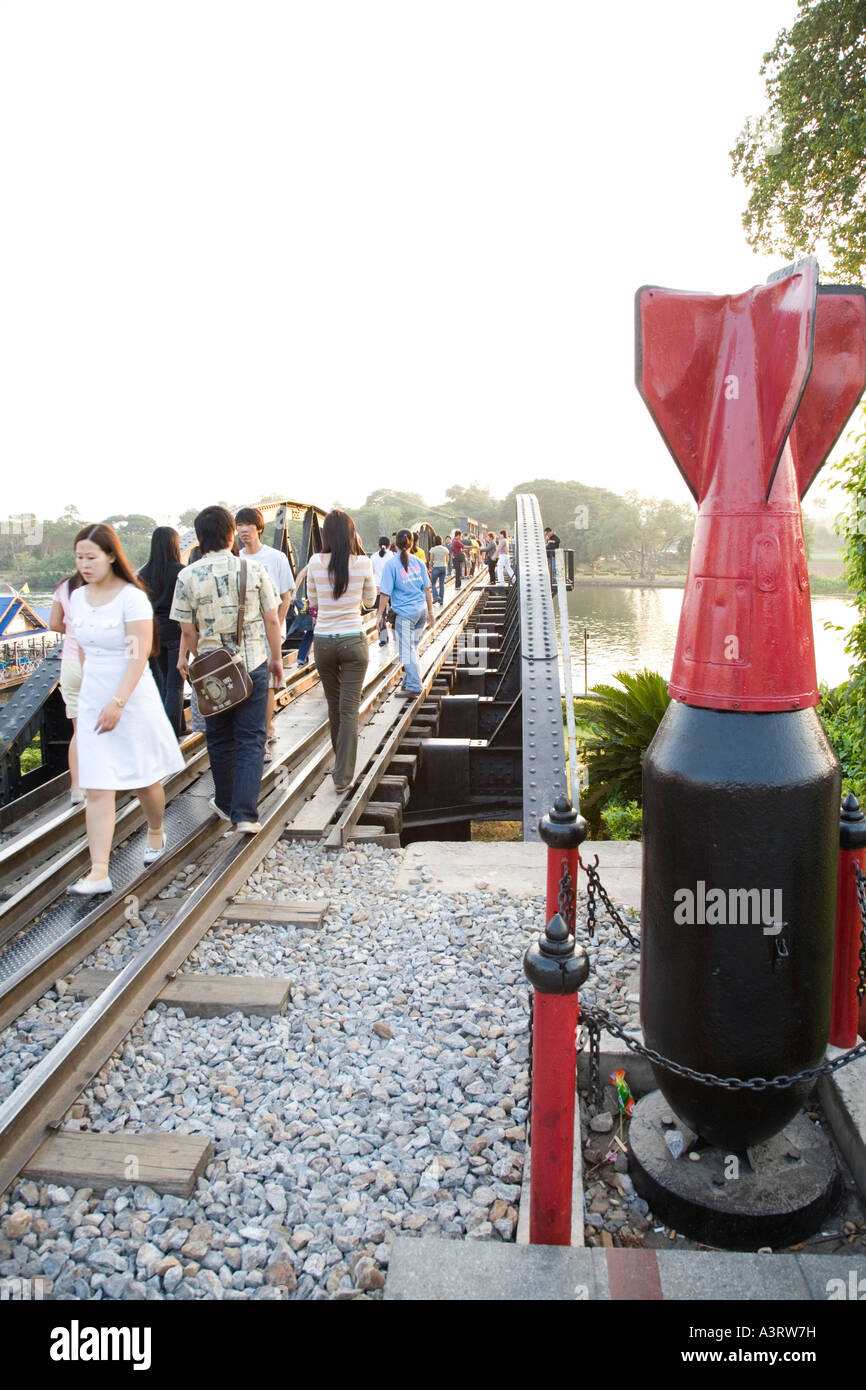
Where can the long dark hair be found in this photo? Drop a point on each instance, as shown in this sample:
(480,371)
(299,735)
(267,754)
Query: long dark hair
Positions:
(339,540)
(73,580)
(164,551)
(404,540)
(108,540)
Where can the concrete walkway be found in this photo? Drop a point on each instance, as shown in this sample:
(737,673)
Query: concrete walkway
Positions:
(475,1270)
(518,869)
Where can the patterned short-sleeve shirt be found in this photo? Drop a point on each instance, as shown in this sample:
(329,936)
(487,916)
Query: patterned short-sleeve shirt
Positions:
(207,593)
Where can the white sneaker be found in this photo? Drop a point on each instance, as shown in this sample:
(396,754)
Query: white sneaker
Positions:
(249,827)
(151,855)
(86,887)
(222,815)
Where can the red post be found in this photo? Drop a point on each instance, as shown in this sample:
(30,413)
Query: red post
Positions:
(555,968)
(846,959)
(563,831)
(552,1133)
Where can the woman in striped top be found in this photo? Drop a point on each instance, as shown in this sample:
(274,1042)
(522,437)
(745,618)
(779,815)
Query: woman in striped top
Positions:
(339,582)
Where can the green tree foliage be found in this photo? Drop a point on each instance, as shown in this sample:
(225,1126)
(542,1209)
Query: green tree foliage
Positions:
(622,821)
(658,536)
(804,160)
(477,502)
(615,728)
(843,710)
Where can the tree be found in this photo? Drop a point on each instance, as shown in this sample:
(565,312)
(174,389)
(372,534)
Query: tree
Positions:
(132,524)
(843,710)
(804,160)
(657,535)
(477,502)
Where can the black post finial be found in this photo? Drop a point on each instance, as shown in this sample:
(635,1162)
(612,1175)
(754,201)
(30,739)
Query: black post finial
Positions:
(852,824)
(562,827)
(554,964)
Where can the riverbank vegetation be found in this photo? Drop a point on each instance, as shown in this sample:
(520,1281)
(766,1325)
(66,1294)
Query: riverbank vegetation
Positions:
(843,710)
(614,729)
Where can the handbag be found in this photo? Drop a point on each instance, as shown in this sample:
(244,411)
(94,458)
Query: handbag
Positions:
(220,678)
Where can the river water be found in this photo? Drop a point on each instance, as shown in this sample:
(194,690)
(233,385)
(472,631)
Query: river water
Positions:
(629,629)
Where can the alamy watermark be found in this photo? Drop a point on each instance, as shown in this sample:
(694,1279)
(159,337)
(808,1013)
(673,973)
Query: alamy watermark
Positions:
(732,907)
(854,1290)
(24,528)
(16,1290)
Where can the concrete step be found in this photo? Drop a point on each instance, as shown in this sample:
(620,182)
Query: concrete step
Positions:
(482,1270)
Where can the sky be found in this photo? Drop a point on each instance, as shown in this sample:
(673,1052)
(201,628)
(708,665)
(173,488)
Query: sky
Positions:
(327,247)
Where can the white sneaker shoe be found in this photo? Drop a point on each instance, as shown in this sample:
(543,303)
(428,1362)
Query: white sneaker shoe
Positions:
(151,855)
(248,827)
(87,887)
(222,815)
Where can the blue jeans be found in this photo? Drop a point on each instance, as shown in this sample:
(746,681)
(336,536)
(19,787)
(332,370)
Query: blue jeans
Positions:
(171,688)
(437,580)
(304,648)
(236,748)
(409,629)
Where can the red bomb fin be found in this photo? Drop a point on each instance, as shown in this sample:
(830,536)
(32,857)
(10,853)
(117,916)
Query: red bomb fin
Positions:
(726,372)
(836,382)
(677,341)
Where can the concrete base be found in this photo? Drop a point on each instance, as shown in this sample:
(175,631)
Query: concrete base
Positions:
(517,869)
(843,1096)
(780,1194)
(577,1231)
(484,1270)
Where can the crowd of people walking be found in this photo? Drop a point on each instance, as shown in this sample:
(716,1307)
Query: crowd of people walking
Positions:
(219,619)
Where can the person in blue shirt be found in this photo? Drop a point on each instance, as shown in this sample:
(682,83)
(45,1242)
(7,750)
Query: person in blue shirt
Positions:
(405,587)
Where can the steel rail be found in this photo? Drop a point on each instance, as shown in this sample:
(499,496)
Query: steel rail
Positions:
(59,957)
(45,885)
(38,1104)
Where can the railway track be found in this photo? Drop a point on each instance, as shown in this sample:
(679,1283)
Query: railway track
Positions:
(296,801)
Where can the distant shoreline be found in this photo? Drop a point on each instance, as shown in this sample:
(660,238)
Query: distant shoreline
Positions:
(669,582)
(819,587)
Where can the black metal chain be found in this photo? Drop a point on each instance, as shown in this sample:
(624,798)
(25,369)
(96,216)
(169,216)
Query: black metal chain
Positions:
(567,904)
(861,898)
(596,1019)
(595,886)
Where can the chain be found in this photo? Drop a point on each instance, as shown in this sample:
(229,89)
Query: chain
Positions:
(600,1018)
(861,898)
(595,885)
(567,905)
(591,1032)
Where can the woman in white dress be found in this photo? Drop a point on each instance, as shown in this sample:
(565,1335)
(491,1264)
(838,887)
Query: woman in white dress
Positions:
(125,741)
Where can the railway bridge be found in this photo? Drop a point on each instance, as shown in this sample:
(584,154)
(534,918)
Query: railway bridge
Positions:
(483,741)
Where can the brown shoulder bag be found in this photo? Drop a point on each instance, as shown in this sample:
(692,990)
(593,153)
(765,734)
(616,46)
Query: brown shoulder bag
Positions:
(220,678)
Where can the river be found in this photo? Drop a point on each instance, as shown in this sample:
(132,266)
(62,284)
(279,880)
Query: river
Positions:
(629,629)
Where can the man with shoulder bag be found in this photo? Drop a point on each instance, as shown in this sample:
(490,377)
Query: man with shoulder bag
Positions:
(230,650)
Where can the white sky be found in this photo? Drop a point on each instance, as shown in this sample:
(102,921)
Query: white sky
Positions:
(323,247)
